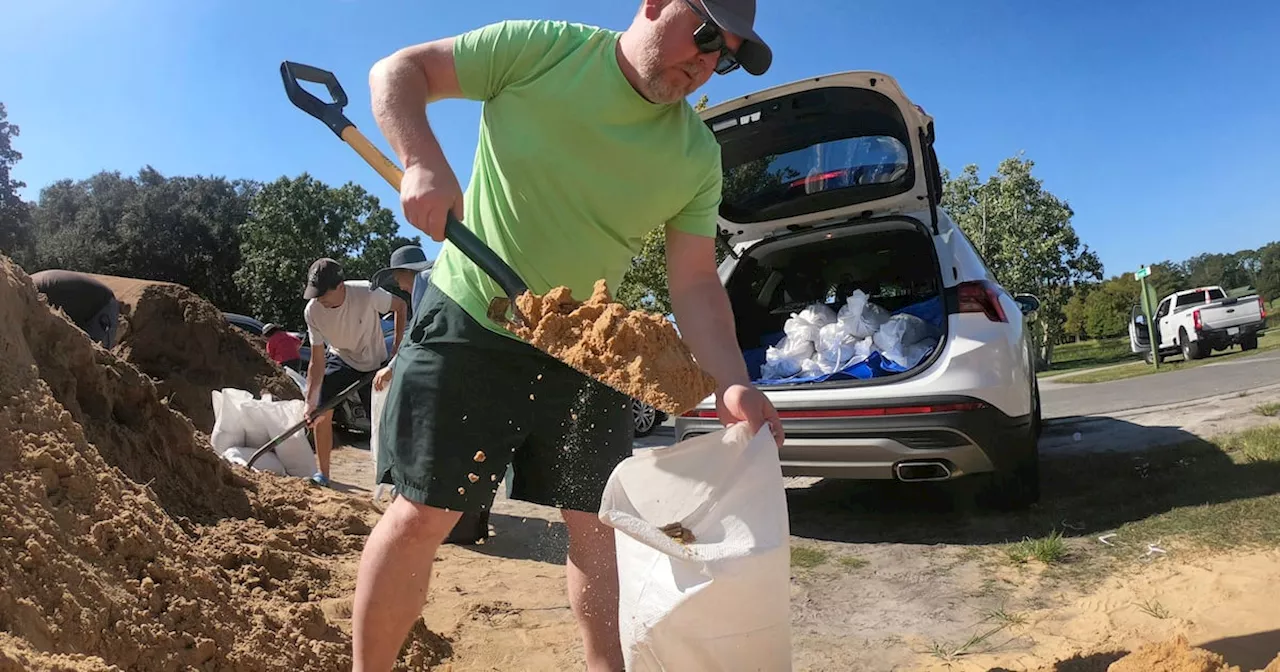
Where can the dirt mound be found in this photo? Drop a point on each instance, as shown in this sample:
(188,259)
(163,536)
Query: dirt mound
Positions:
(185,344)
(1173,655)
(128,545)
(637,353)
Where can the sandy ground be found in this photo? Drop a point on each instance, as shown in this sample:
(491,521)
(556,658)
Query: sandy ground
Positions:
(885,599)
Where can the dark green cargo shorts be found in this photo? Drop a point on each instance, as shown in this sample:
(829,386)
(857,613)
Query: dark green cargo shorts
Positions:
(465,402)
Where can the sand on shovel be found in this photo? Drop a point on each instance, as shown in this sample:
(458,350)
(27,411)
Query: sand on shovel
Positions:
(637,353)
(126,544)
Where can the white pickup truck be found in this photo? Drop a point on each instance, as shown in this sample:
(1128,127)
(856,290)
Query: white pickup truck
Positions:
(1194,322)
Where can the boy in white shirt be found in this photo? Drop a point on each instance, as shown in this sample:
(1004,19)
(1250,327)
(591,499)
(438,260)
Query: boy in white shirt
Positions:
(346,317)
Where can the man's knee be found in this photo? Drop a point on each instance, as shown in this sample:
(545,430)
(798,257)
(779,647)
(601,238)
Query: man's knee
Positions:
(419,521)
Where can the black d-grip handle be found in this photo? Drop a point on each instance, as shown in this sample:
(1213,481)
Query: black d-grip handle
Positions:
(329,113)
(485,258)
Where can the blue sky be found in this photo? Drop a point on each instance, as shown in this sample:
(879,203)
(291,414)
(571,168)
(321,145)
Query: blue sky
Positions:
(1154,120)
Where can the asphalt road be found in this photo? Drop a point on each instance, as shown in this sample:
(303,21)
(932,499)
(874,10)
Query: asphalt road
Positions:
(1232,374)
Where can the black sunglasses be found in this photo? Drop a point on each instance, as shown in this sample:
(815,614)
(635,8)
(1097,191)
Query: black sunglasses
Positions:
(709,38)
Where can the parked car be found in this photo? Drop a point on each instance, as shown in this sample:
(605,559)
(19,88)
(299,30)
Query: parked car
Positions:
(645,418)
(1196,321)
(832,185)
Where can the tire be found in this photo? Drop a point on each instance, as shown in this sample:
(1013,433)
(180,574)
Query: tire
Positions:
(644,418)
(1015,487)
(1190,349)
(1249,342)
(1037,416)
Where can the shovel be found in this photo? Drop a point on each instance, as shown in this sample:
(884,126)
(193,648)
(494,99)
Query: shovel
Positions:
(332,116)
(332,403)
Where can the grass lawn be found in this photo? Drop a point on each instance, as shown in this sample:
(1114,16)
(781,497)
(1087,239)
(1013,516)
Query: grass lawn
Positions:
(1268,341)
(1089,354)
(1198,495)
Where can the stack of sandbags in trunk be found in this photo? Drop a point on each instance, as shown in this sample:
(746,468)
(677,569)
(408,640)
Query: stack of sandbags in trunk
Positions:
(819,342)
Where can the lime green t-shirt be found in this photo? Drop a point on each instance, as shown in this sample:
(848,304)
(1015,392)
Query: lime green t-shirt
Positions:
(573,167)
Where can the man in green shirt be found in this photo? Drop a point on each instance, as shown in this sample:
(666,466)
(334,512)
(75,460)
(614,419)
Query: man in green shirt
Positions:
(586,144)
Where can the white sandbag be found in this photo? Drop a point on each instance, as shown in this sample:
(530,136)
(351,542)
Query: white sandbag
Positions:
(860,317)
(786,358)
(805,325)
(375,409)
(268,462)
(241,420)
(909,356)
(228,421)
(270,417)
(811,368)
(721,602)
(900,331)
(844,354)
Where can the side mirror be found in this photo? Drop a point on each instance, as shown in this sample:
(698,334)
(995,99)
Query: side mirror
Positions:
(1027,302)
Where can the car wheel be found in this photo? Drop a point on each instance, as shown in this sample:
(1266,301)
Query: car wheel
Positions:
(1037,414)
(644,417)
(1191,349)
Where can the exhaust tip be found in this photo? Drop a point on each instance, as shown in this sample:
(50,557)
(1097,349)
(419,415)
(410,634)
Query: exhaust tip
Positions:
(922,470)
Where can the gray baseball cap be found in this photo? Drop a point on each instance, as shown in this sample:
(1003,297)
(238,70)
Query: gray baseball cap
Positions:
(739,17)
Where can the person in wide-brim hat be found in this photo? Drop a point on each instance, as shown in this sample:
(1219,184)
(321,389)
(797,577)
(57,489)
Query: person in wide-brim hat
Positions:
(406,276)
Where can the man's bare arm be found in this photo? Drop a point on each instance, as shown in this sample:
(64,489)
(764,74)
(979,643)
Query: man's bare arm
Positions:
(702,309)
(401,85)
(315,374)
(399,310)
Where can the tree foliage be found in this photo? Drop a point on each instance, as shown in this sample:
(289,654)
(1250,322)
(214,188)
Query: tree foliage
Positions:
(180,229)
(1025,236)
(295,221)
(1109,307)
(15,214)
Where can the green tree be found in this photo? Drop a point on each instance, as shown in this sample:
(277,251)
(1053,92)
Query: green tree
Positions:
(1109,307)
(295,221)
(1025,236)
(1268,283)
(1074,315)
(1168,277)
(15,214)
(182,229)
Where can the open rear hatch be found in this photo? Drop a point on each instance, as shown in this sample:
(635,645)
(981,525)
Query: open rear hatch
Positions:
(835,279)
(822,151)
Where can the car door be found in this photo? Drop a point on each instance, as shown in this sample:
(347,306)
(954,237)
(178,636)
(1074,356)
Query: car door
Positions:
(1166,333)
(1139,335)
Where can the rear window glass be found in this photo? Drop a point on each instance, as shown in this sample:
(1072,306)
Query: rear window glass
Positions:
(777,179)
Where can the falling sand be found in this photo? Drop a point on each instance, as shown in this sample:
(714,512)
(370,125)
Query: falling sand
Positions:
(637,353)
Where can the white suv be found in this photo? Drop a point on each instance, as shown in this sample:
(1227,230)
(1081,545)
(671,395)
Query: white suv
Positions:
(831,191)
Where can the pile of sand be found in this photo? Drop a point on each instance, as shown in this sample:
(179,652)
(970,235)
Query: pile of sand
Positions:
(185,344)
(637,353)
(127,544)
(1174,655)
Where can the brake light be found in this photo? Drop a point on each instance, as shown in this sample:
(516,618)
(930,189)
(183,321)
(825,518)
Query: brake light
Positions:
(1262,307)
(981,296)
(1195,318)
(859,412)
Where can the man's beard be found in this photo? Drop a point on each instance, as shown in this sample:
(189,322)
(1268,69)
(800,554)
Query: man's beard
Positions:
(658,88)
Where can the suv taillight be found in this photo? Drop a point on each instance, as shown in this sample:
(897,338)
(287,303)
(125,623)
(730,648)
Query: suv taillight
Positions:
(1262,307)
(981,296)
(1195,318)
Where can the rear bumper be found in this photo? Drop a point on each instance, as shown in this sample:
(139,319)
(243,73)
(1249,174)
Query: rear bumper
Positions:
(977,440)
(1225,337)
